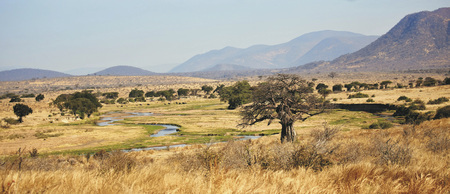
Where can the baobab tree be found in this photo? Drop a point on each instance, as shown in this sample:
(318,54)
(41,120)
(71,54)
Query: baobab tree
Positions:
(286,98)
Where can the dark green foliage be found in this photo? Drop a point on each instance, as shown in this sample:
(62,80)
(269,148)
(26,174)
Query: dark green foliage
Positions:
(136,93)
(370,100)
(238,94)
(446,81)
(380,125)
(15,99)
(321,86)
(337,88)
(168,94)
(348,87)
(430,81)
(417,105)
(358,95)
(140,99)
(80,103)
(419,82)
(39,97)
(404,98)
(28,96)
(324,92)
(207,89)
(150,94)
(384,84)
(122,101)
(183,92)
(438,101)
(443,112)
(8,95)
(22,110)
(111,95)
(416,118)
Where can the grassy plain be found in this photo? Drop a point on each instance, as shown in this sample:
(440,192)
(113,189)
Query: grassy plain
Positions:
(419,162)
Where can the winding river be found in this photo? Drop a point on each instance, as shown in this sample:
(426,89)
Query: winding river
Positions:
(108,119)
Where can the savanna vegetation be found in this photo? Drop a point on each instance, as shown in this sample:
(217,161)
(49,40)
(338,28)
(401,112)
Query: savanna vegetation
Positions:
(322,150)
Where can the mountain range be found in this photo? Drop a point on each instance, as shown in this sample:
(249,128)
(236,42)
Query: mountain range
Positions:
(322,45)
(419,41)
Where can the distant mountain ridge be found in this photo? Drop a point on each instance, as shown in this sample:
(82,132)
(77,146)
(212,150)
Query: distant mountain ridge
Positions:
(29,73)
(306,48)
(419,41)
(123,70)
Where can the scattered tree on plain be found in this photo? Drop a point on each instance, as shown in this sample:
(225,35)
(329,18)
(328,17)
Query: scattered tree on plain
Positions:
(236,95)
(80,103)
(286,98)
(39,97)
(21,111)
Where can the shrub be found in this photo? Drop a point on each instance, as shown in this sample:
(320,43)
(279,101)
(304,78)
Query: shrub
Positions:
(28,96)
(391,152)
(11,121)
(15,99)
(370,100)
(403,98)
(122,101)
(380,125)
(417,105)
(337,88)
(39,97)
(358,95)
(438,101)
(443,112)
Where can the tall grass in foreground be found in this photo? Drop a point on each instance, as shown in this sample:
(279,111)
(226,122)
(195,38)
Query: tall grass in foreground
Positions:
(396,160)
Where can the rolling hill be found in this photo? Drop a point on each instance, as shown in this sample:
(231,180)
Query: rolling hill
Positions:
(29,73)
(125,71)
(322,45)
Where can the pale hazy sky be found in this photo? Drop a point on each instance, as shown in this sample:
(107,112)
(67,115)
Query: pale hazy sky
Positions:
(63,35)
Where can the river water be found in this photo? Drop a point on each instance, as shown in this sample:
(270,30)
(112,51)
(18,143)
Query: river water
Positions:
(109,120)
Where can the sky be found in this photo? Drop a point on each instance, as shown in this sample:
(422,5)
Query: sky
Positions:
(90,35)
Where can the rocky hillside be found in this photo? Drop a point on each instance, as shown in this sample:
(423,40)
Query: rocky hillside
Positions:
(419,41)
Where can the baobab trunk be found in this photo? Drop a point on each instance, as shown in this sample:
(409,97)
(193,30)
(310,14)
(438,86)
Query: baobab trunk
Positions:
(287,132)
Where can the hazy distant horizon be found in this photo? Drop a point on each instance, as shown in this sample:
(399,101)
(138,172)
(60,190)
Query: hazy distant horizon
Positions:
(158,35)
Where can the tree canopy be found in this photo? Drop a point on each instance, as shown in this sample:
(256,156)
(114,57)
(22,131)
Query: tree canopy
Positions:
(80,103)
(236,95)
(286,98)
(22,110)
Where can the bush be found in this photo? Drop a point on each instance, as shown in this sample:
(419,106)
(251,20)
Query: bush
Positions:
(443,112)
(417,105)
(28,96)
(370,100)
(358,95)
(380,125)
(39,97)
(404,98)
(11,121)
(438,101)
(15,99)
(390,152)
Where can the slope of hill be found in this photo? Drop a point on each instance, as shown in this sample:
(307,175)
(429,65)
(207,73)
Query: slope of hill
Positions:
(279,56)
(419,41)
(28,73)
(227,67)
(125,71)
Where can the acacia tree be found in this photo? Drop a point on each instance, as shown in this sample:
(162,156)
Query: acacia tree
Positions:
(22,110)
(284,97)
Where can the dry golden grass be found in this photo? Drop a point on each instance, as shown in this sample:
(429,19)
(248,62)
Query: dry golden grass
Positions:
(163,171)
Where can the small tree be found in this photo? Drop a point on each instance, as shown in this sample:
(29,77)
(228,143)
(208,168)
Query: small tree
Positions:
(321,86)
(238,94)
(207,89)
(39,97)
(286,98)
(15,99)
(183,92)
(22,110)
(136,93)
(384,84)
(337,88)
